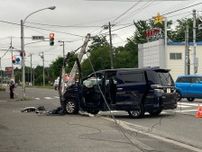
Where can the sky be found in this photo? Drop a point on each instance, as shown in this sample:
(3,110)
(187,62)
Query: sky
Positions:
(72,20)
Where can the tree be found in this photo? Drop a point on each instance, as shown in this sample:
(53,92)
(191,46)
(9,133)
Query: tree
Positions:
(142,26)
(98,55)
(56,66)
(178,34)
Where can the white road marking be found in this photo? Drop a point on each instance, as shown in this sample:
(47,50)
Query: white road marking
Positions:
(48,98)
(56,97)
(182,106)
(189,104)
(127,125)
(188,110)
(37,98)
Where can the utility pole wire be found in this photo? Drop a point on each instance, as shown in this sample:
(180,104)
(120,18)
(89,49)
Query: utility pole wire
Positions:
(127,11)
(171,12)
(49,30)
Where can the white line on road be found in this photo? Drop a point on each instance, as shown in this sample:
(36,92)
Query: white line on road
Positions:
(37,98)
(126,125)
(189,110)
(188,104)
(182,106)
(48,98)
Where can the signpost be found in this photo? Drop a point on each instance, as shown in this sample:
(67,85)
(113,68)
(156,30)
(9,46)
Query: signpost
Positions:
(38,37)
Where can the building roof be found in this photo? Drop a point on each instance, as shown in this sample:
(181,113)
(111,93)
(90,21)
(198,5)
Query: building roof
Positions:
(183,43)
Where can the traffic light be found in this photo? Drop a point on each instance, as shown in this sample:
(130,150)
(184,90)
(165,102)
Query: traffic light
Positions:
(51,38)
(13,59)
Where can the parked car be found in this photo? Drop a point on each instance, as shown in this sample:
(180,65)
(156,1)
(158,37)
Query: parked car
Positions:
(133,90)
(189,86)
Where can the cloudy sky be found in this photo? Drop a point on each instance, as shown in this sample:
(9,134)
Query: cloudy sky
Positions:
(73,19)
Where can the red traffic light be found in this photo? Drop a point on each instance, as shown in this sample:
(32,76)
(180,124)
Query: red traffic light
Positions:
(51,38)
(13,59)
(51,35)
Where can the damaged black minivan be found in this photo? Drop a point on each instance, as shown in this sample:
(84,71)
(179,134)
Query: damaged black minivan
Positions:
(130,89)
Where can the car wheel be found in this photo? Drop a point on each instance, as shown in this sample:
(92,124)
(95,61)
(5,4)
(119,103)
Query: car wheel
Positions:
(155,113)
(94,112)
(190,99)
(138,113)
(178,96)
(72,107)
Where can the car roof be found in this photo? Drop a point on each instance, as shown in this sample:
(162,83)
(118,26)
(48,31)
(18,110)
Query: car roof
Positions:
(192,75)
(134,69)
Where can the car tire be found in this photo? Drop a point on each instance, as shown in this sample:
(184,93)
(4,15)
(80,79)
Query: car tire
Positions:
(190,99)
(139,113)
(71,107)
(178,96)
(155,113)
(94,112)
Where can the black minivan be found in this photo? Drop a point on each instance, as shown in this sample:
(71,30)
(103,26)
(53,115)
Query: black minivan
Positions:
(130,89)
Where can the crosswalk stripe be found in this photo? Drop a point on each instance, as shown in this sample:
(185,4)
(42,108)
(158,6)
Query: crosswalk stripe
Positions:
(182,106)
(189,110)
(188,104)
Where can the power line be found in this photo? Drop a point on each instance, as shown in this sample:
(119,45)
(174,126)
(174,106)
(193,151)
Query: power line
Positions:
(126,11)
(49,30)
(138,10)
(171,12)
(64,26)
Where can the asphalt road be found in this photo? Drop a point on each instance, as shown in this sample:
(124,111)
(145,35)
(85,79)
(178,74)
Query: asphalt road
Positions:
(172,131)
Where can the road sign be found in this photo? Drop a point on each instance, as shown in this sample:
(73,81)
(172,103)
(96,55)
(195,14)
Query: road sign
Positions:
(17,59)
(38,38)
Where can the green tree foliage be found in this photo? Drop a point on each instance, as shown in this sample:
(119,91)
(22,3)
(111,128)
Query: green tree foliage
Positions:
(98,55)
(142,26)
(178,35)
(38,74)
(55,67)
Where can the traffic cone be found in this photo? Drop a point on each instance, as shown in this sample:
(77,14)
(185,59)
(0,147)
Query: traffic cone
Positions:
(199,112)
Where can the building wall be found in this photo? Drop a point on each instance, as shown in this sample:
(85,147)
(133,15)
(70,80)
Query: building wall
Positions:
(150,54)
(153,54)
(178,66)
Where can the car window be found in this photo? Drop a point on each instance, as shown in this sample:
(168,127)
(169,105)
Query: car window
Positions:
(131,77)
(189,79)
(196,79)
(160,77)
(93,80)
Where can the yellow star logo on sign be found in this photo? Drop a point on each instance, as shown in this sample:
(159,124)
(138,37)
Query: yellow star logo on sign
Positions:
(158,19)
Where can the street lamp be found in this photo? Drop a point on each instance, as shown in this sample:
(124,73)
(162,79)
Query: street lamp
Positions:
(22,22)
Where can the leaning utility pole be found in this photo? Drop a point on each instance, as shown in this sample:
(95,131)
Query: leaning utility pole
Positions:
(187,58)
(194,42)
